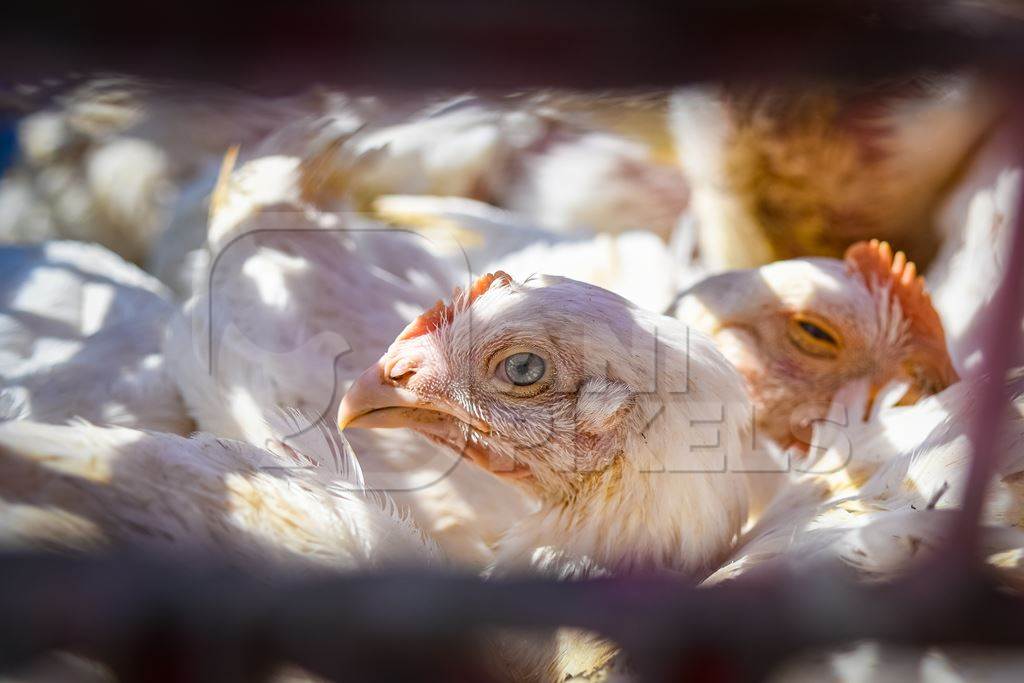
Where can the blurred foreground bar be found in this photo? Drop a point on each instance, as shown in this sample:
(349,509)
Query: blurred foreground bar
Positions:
(207,622)
(396,44)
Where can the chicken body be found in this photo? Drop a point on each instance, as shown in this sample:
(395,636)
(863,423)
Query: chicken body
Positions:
(80,336)
(879,494)
(977,221)
(781,172)
(634,264)
(104,160)
(546,161)
(82,487)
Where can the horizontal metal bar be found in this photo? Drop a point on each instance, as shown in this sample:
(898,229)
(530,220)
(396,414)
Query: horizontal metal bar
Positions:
(128,609)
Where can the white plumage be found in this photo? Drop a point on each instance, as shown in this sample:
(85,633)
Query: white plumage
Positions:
(84,487)
(879,494)
(477,237)
(104,161)
(977,221)
(558,170)
(80,336)
(345,219)
(296,304)
(628,435)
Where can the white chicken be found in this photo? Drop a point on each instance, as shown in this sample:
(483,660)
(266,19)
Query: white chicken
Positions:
(801,329)
(82,487)
(80,336)
(877,494)
(557,168)
(596,406)
(297,302)
(879,498)
(103,161)
(623,423)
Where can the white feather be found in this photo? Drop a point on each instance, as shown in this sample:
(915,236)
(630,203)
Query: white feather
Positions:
(302,302)
(977,222)
(80,336)
(82,487)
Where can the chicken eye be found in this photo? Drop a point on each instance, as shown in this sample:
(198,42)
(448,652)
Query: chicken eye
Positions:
(524,369)
(813,337)
(817,332)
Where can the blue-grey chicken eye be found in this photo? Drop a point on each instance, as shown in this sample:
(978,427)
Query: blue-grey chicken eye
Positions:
(523,369)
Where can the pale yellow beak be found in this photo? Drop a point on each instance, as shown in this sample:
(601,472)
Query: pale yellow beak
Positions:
(371,393)
(375,401)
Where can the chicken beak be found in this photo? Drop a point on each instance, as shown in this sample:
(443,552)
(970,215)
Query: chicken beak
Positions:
(370,394)
(924,376)
(376,402)
(930,380)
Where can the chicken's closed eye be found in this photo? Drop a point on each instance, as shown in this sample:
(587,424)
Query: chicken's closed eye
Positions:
(813,336)
(866,317)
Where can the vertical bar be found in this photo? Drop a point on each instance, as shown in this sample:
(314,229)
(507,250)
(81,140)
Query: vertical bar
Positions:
(1004,313)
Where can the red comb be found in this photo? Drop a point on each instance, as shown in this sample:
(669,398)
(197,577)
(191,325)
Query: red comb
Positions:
(440,314)
(880,268)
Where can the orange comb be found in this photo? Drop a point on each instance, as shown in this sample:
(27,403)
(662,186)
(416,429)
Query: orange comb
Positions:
(440,314)
(880,268)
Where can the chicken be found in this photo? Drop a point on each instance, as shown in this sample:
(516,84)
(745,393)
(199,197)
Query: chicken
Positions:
(131,164)
(799,330)
(563,170)
(553,383)
(80,336)
(779,172)
(598,181)
(82,487)
(296,302)
(622,422)
(878,498)
(103,161)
